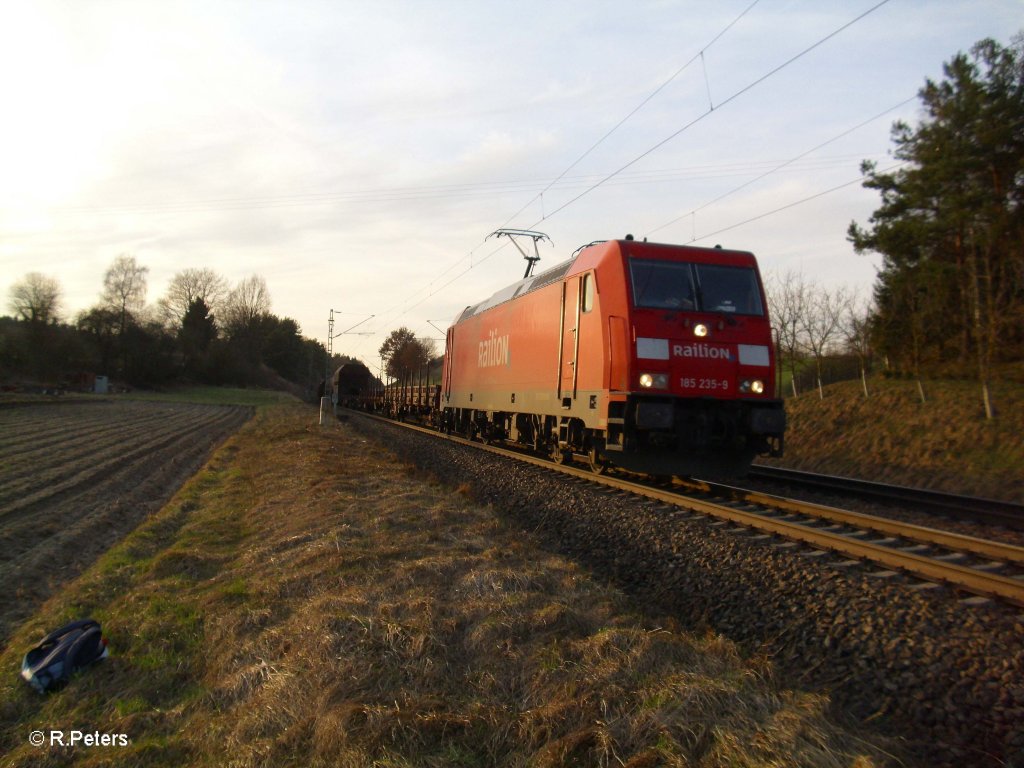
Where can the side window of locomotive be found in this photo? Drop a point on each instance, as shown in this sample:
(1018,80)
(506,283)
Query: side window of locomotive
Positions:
(729,289)
(588,292)
(662,285)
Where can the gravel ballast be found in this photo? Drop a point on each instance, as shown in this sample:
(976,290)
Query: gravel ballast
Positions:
(914,661)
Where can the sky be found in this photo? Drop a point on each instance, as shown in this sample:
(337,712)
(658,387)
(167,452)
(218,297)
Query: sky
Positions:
(357,155)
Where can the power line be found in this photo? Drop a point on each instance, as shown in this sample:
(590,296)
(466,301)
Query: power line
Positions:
(696,120)
(637,108)
(557,179)
(654,148)
(793,204)
(779,167)
(398,194)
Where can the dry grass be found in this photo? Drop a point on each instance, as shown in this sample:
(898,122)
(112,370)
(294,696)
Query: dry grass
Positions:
(305,602)
(944,443)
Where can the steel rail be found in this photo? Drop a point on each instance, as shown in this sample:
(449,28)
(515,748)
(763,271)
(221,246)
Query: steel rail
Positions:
(995,511)
(919,533)
(968,579)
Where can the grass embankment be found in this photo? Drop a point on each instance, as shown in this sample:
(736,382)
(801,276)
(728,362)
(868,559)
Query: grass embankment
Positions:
(198,395)
(944,443)
(214,396)
(304,601)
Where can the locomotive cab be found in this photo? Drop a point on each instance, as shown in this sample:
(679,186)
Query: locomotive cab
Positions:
(702,378)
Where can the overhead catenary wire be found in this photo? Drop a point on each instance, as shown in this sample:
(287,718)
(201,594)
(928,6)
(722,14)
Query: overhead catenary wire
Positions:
(697,56)
(779,167)
(750,86)
(793,204)
(731,98)
(728,100)
(557,179)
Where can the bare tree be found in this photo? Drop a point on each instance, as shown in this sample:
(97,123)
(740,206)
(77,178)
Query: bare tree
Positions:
(822,323)
(246,316)
(36,299)
(124,288)
(788,302)
(187,287)
(246,304)
(857,333)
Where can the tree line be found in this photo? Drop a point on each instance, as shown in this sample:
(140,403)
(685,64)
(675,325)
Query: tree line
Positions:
(949,298)
(202,330)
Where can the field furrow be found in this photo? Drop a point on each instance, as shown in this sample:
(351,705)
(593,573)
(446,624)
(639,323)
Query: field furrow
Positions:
(77,439)
(67,473)
(81,441)
(29,453)
(33,522)
(21,432)
(85,494)
(23,425)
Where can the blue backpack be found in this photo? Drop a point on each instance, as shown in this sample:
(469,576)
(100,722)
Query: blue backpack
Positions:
(49,665)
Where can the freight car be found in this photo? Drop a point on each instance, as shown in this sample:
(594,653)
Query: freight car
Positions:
(651,357)
(420,401)
(354,386)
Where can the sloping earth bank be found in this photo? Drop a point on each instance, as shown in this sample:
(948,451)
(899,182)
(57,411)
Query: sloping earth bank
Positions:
(917,663)
(944,443)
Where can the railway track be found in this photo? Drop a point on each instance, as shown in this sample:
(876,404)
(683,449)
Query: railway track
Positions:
(977,566)
(972,508)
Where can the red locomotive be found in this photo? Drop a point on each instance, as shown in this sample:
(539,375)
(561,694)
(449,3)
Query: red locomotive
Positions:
(654,358)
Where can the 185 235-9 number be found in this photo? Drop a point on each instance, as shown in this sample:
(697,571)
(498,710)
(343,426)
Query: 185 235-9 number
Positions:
(709,385)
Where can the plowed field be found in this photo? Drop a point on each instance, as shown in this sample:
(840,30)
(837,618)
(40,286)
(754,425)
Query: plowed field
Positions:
(75,477)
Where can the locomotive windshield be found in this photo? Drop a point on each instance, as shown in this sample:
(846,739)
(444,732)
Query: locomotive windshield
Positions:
(705,287)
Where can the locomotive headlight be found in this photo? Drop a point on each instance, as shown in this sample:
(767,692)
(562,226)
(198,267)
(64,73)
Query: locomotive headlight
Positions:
(752,385)
(700,330)
(654,380)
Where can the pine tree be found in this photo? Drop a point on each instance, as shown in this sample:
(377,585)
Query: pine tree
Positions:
(951,224)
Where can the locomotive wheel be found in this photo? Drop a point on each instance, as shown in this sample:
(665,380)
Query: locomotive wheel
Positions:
(598,464)
(560,455)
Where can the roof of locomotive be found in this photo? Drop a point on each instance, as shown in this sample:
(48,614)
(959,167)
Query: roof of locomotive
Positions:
(532,283)
(628,246)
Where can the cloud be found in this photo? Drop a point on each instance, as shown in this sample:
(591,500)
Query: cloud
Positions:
(352,152)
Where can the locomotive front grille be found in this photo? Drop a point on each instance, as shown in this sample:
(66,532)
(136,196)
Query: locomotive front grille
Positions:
(654,415)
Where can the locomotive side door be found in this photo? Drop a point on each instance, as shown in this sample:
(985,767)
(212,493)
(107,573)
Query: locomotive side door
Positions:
(570,344)
(449,353)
